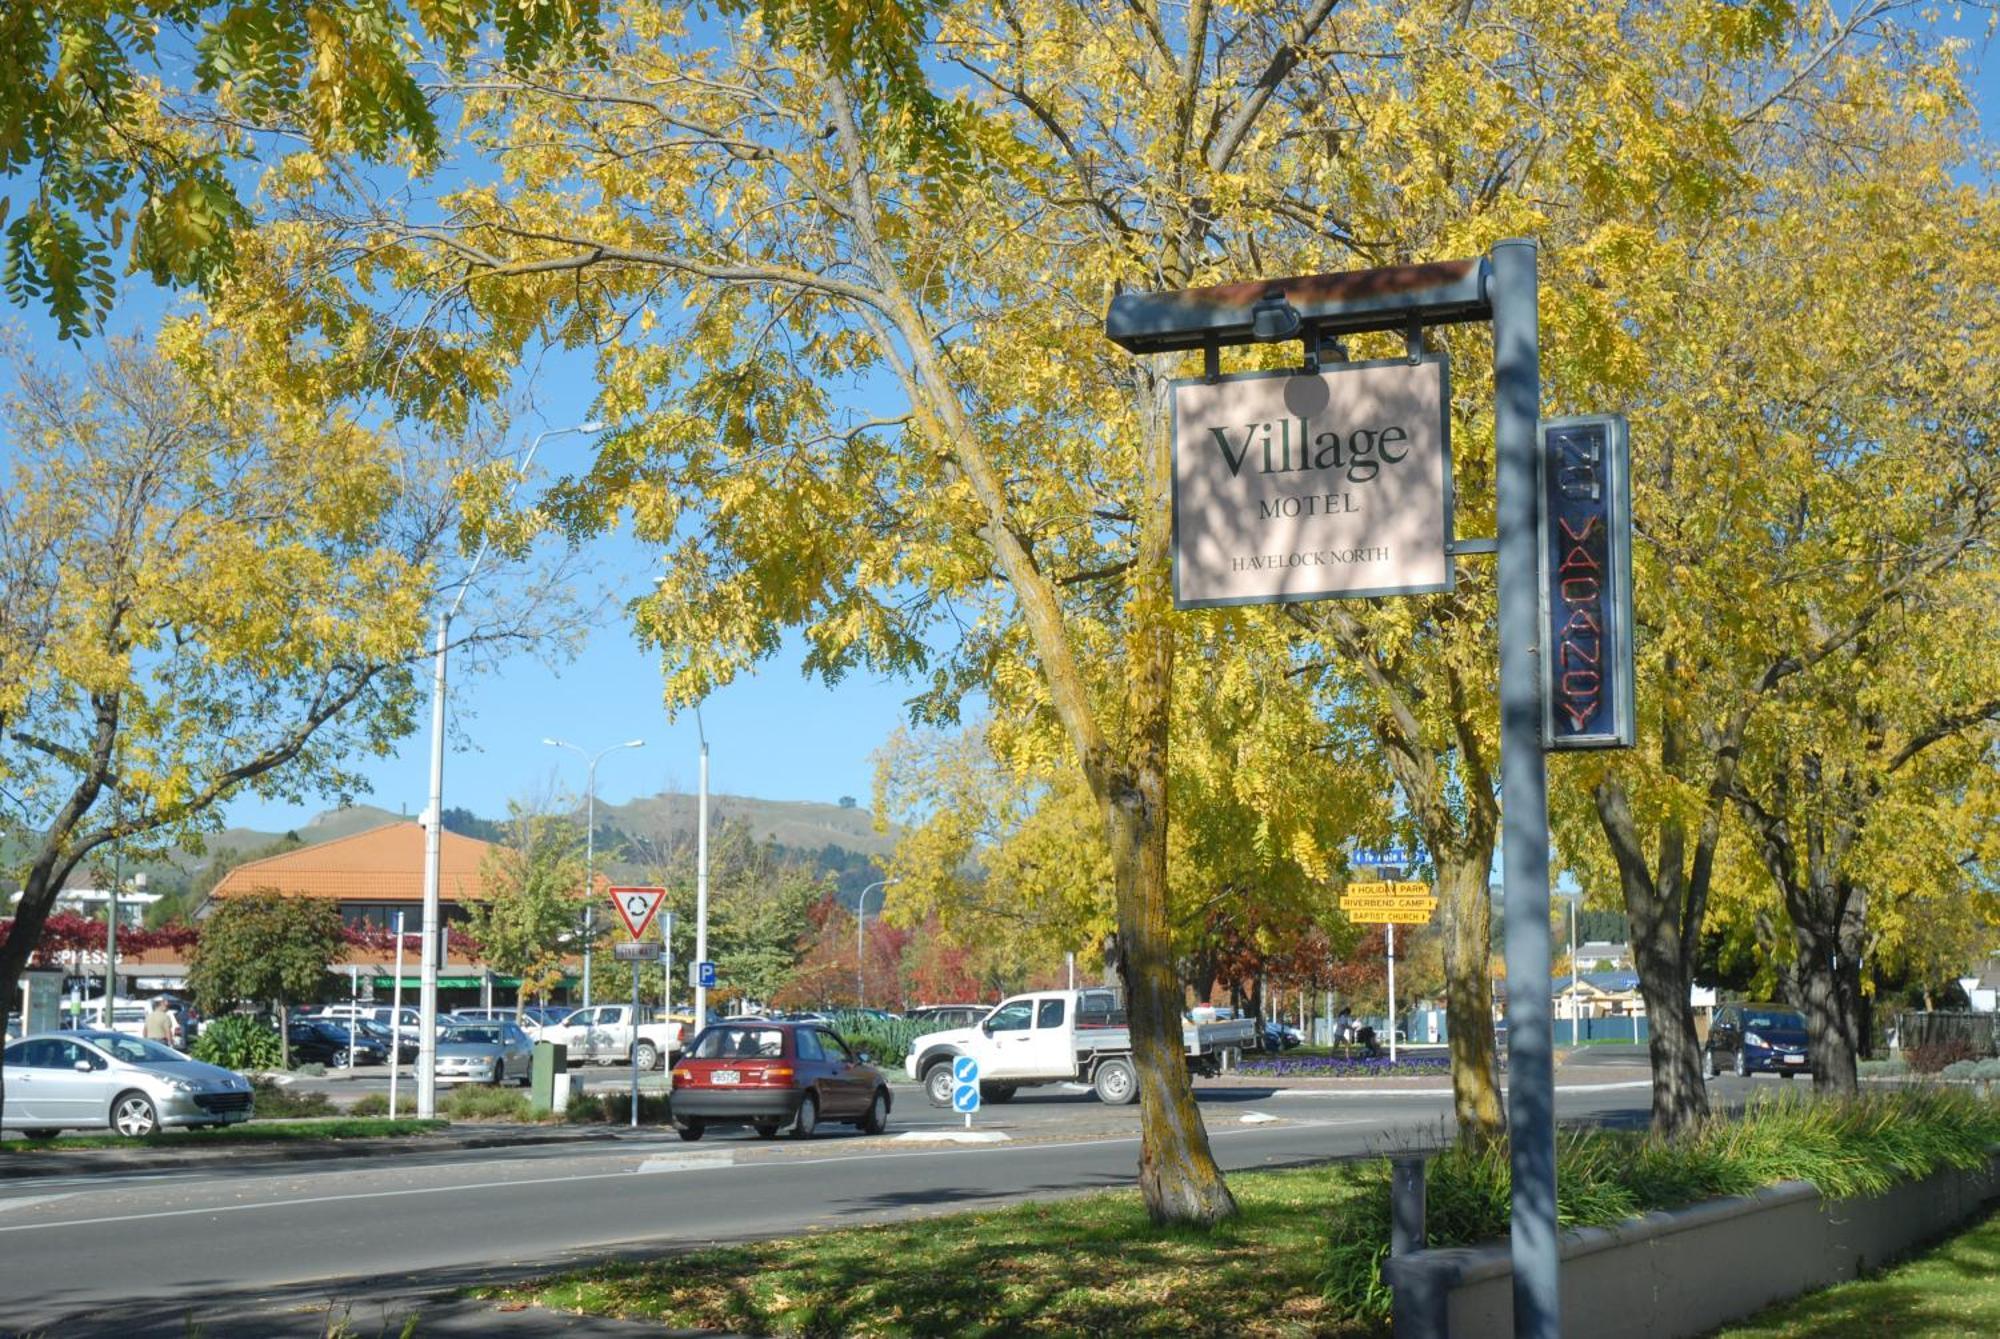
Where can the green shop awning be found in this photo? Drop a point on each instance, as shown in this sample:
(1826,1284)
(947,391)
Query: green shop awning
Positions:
(449,982)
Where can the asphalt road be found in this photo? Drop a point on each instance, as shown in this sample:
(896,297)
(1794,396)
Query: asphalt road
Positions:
(246,1249)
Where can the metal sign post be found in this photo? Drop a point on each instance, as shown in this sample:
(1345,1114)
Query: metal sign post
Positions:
(1524,790)
(636,907)
(1262,475)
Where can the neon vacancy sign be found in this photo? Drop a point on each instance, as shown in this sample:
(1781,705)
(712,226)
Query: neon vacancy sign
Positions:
(1586,548)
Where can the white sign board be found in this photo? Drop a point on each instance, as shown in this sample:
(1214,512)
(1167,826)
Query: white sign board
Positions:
(1305,485)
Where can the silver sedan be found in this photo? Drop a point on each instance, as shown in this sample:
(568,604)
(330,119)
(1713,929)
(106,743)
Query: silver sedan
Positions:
(93,1079)
(485,1053)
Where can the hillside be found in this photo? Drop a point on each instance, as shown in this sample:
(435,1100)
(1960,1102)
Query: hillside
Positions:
(669,818)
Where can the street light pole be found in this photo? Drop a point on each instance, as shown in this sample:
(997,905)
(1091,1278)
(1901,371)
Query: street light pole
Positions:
(860,945)
(701,879)
(590,847)
(433,819)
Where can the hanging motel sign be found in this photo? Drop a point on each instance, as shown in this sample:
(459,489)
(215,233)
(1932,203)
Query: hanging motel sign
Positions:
(1304,485)
(1586,545)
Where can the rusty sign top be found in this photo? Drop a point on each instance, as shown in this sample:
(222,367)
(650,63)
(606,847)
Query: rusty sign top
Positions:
(1438,292)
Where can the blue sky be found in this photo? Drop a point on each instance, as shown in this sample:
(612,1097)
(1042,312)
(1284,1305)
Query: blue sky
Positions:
(774,734)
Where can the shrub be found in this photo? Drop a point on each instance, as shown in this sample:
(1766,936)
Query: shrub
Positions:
(1931,1057)
(887,1040)
(1859,1147)
(1972,1069)
(273,1102)
(239,1041)
(615,1108)
(1882,1068)
(312,1069)
(476,1102)
(374,1104)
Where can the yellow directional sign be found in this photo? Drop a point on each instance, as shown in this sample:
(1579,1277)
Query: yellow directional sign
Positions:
(1391,915)
(1379,888)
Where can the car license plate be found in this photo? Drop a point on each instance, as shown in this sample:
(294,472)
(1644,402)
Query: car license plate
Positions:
(1795,1060)
(725,1077)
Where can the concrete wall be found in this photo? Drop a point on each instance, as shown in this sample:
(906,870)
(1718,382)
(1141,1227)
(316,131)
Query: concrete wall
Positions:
(1687,1271)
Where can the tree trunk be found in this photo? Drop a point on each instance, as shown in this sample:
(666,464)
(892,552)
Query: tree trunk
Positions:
(1665,911)
(1178,1178)
(1826,983)
(1468,994)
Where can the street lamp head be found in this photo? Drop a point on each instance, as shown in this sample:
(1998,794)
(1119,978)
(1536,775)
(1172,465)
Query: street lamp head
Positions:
(554,743)
(594,426)
(633,744)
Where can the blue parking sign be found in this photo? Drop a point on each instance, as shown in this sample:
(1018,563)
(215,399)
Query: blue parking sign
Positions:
(965,1097)
(705,975)
(964,1069)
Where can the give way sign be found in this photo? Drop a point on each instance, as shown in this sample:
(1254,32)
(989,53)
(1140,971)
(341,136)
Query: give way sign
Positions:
(637,907)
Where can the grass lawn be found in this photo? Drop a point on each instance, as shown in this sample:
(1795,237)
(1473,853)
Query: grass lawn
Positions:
(1091,1265)
(251,1132)
(1950,1293)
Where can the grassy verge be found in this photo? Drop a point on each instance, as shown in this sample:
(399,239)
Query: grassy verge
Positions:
(1091,1265)
(253,1132)
(1951,1292)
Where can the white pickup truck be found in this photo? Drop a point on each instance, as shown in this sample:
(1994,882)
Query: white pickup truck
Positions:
(1060,1036)
(603,1035)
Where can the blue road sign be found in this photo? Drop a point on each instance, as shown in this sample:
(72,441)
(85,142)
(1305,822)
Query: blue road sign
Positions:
(1396,856)
(964,1069)
(704,975)
(965,1097)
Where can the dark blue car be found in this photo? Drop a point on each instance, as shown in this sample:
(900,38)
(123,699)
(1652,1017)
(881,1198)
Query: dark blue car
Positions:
(1756,1039)
(316,1041)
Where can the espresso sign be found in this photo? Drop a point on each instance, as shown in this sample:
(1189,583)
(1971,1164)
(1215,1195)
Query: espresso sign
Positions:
(1306,485)
(1586,534)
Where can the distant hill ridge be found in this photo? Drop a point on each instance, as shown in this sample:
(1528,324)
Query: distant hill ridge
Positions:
(802,828)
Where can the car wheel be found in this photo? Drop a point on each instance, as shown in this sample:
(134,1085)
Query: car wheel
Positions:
(766,1130)
(499,1073)
(998,1092)
(133,1115)
(1708,1064)
(938,1084)
(1742,1066)
(877,1119)
(649,1055)
(1115,1083)
(691,1130)
(338,1060)
(808,1118)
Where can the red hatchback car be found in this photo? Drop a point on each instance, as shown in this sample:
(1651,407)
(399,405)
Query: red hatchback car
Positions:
(769,1075)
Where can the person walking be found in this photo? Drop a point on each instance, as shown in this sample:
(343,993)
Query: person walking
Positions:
(161,1026)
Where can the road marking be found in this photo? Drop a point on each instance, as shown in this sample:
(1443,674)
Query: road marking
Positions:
(688,1162)
(27,1201)
(1255,1118)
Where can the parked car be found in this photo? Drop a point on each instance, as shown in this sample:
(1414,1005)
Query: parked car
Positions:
(493,1053)
(93,1078)
(1756,1039)
(605,1035)
(413,1019)
(1281,1037)
(408,1043)
(770,1076)
(317,1041)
